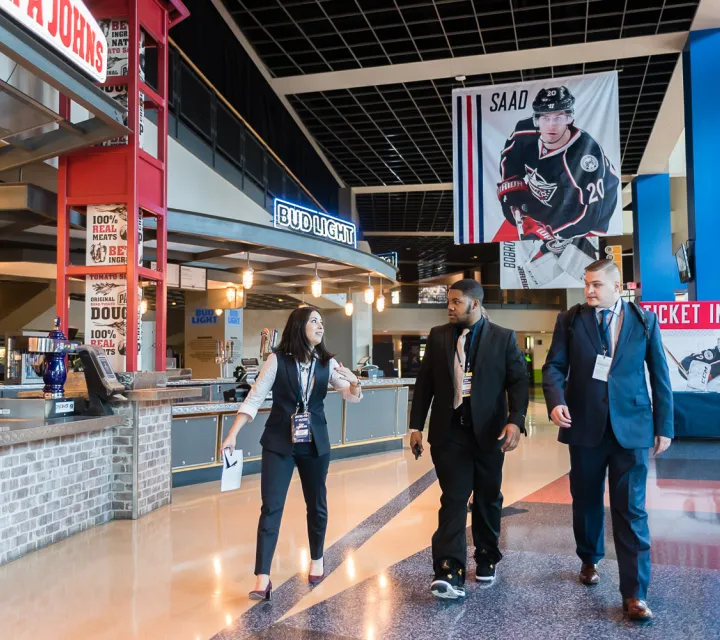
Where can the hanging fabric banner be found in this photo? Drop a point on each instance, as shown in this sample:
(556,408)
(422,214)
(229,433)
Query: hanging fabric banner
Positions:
(537,160)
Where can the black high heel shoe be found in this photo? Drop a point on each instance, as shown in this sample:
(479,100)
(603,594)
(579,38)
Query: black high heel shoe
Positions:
(262,595)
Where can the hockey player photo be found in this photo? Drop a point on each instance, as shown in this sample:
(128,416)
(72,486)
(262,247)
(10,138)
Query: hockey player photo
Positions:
(532,264)
(701,370)
(556,182)
(537,160)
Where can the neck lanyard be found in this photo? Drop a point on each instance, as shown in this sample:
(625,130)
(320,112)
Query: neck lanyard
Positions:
(473,333)
(303,397)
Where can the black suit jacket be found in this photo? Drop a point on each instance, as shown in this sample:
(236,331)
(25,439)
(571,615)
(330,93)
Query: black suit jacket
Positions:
(499,378)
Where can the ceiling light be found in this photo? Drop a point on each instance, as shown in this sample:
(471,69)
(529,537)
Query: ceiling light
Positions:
(316,285)
(369,293)
(395,297)
(230,293)
(380,302)
(218,312)
(247,275)
(143,306)
(280,299)
(349,308)
(460,78)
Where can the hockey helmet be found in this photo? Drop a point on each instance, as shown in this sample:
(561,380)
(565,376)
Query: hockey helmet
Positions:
(553,99)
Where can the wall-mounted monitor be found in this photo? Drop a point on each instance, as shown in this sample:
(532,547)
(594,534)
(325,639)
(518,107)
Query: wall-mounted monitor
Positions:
(683,263)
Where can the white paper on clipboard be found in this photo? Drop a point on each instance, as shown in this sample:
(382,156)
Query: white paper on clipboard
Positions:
(232,470)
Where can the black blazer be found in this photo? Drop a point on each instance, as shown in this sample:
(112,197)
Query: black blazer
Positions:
(499,371)
(568,380)
(277,436)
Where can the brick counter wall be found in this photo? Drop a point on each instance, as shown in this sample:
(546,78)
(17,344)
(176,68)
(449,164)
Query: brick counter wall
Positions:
(55,488)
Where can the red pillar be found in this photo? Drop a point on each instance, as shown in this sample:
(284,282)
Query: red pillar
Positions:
(126,174)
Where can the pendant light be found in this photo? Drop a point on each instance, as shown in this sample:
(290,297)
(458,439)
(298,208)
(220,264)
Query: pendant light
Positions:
(247,275)
(369,292)
(380,305)
(349,306)
(316,285)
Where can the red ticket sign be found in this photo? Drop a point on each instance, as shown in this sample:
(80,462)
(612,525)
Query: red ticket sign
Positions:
(685,315)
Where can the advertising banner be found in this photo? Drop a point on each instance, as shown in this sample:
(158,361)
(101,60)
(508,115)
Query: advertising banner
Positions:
(691,339)
(537,160)
(117,33)
(530,264)
(106,295)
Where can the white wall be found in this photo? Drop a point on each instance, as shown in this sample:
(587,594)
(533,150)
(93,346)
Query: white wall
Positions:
(195,186)
(409,321)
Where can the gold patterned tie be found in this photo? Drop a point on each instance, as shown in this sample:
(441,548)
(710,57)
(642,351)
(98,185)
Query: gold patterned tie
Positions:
(459,360)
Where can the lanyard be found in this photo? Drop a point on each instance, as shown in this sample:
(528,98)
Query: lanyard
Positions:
(472,344)
(304,396)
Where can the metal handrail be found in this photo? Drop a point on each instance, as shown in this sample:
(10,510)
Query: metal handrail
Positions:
(244,122)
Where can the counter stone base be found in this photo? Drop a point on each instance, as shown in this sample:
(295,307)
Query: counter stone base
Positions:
(54,488)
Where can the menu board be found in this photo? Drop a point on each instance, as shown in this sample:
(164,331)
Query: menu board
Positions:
(193,278)
(172,274)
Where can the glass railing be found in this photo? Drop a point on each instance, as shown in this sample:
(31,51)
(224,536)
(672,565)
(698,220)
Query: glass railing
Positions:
(203,122)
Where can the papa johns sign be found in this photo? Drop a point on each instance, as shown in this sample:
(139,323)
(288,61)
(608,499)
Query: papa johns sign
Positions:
(68,27)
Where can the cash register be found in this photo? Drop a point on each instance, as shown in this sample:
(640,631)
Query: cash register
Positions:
(49,357)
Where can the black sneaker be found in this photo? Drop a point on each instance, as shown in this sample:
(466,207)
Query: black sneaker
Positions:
(450,585)
(485,570)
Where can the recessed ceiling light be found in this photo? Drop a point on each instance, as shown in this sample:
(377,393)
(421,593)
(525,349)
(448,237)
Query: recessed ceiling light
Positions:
(280,299)
(475,257)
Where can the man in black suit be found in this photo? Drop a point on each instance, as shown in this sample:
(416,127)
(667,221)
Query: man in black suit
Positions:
(469,368)
(596,392)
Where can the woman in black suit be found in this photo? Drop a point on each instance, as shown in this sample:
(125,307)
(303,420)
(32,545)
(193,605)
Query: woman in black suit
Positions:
(296,435)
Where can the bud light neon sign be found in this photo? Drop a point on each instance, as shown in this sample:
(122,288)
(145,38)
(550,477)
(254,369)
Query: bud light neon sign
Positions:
(303,220)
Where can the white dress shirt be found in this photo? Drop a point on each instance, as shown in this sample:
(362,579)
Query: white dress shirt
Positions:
(266,378)
(615,323)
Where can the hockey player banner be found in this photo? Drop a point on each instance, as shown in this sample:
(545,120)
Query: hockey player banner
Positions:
(691,340)
(529,264)
(537,160)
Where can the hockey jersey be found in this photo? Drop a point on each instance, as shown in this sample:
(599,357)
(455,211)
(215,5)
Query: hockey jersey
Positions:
(572,191)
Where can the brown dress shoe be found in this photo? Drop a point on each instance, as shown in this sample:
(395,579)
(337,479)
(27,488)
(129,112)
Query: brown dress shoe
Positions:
(589,574)
(637,610)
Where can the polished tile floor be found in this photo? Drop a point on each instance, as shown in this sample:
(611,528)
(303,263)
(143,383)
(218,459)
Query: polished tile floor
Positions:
(184,571)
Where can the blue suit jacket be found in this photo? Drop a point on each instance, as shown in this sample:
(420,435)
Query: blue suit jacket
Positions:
(568,380)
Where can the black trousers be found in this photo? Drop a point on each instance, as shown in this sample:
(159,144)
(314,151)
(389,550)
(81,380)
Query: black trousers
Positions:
(463,468)
(276,473)
(628,469)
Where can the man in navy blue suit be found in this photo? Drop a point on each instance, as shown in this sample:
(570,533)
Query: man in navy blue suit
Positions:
(596,392)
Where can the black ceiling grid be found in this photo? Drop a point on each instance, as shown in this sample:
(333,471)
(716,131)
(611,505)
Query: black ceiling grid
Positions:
(296,37)
(402,133)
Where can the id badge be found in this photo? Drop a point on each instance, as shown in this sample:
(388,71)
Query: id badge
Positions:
(602,368)
(466,384)
(301,428)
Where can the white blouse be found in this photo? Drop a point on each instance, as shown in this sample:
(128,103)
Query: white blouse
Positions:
(266,378)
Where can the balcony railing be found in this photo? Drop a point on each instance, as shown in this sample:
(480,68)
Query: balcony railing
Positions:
(206,124)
